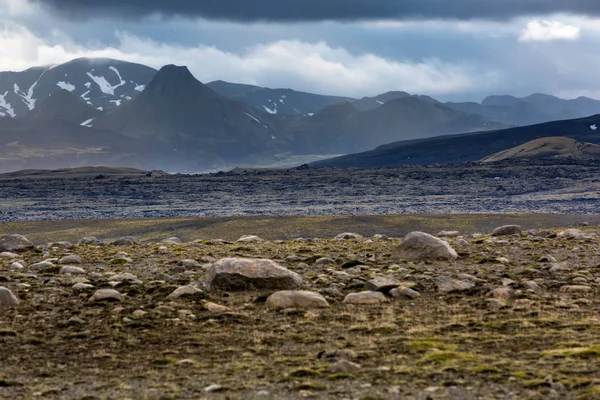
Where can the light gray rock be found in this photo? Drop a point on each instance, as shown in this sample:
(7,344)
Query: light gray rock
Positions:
(507,230)
(15,244)
(296,299)
(576,289)
(69,269)
(572,234)
(105,295)
(7,298)
(172,240)
(183,291)
(92,241)
(82,287)
(125,241)
(448,234)
(348,236)
(405,292)
(70,260)
(40,265)
(249,239)
(324,261)
(344,367)
(381,284)
(8,255)
(445,284)
(365,298)
(189,263)
(237,274)
(422,246)
(16,266)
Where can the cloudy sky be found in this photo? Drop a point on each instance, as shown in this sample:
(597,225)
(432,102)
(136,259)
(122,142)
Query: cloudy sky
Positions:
(452,50)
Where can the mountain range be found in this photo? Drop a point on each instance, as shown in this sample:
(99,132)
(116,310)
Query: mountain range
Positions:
(110,112)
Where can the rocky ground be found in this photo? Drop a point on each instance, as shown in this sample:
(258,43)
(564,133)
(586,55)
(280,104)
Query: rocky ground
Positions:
(561,187)
(508,315)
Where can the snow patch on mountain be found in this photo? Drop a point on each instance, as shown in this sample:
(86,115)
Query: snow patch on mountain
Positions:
(27,97)
(254,118)
(593,127)
(139,88)
(6,105)
(84,95)
(117,102)
(66,86)
(104,85)
(88,85)
(87,123)
(380,102)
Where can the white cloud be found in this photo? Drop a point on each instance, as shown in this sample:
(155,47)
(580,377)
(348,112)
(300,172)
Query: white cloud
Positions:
(545,31)
(316,67)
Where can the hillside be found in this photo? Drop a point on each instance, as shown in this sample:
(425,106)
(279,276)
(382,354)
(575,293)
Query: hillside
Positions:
(455,149)
(64,105)
(102,83)
(548,148)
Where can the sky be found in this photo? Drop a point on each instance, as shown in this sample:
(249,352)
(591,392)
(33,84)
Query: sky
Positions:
(460,50)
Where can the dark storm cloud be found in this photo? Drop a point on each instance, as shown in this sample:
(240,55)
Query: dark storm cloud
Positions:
(316,10)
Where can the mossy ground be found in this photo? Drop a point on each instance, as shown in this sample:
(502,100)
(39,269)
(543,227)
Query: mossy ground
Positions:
(451,346)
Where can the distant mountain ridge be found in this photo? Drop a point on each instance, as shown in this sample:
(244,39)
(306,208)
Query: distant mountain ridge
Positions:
(102,83)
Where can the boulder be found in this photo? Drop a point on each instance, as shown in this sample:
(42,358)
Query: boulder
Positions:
(445,284)
(183,291)
(236,274)
(68,269)
(296,299)
(68,260)
(365,298)
(40,265)
(507,230)
(7,298)
(572,234)
(404,292)
(15,244)
(422,246)
(105,295)
(381,284)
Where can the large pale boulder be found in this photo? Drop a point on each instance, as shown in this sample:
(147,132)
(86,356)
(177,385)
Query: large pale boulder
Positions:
(296,299)
(14,244)
(423,246)
(248,274)
(7,298)
(507,230)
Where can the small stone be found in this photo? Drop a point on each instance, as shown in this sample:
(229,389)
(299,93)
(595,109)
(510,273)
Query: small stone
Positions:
(17,266)
(572,234)
(296,299)
(547,258)
(532,285)
(214,308)
(68,260)
(507,230)
(503,260)
(214,388)
(344,367)
(82,287)
(422,246)
(579,279)
(76,321)
(183,291)
(461,242)
(249,239)
(91,241)
(40,266)
(343,354)
(575,289)
(126,241)
(495,303)
(7,298)
(163,250)
(8,254)
(507,282)
(138,314)
(445,284)
(502,293)
(381,284)
(365,298)
(405,292)
(124,277)
(165,310)
(106,294)
(448,234)
(172,240)
(189,263)
(68,269)
(324,261)
(348,236)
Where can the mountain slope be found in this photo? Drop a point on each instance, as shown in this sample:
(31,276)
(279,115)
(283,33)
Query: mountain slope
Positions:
(454,149)
(344,129)
(64,105)
(191,119)
(102,83)
(276,101)
(548,147)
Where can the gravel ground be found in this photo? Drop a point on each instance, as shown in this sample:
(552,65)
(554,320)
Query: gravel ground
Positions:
(526,188)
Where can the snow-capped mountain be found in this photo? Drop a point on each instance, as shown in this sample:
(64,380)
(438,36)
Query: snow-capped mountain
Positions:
(102,83)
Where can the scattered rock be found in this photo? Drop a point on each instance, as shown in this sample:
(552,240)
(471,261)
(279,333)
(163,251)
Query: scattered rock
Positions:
(249,239)
(405,292)
(495,303)
(172,240)
(344,367)
(7,298)
(348,236)
(40,266)
(16,266)
(106,295)
(7,254)
(214,307)
(572,234)
(507,230)
(502,293)
(445,284)
(365,298)
(461,242)
(244,274)
(575,289)
(91,241)
(82,287)
(138,314)
(343,354)
(68,269)
(68,260)
(183,291)
(448,234)
(324,261)
(296,299)
(126,241)
(214,388)
(15,244)
(381,284)
(422,246)
(189,263)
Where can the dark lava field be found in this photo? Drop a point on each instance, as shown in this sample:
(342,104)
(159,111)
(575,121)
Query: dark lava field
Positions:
(566,188)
